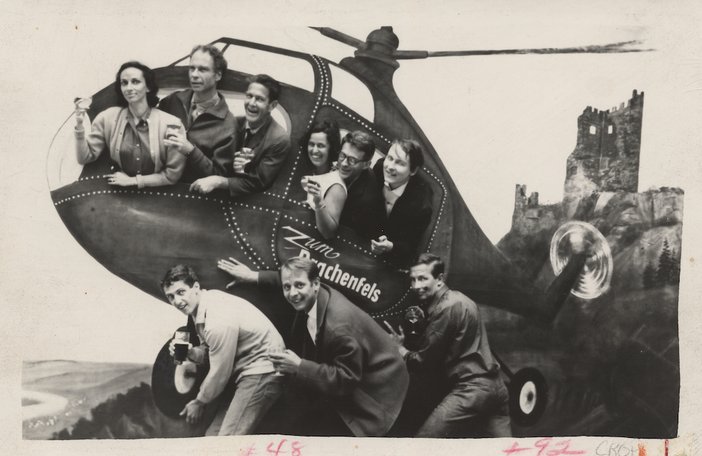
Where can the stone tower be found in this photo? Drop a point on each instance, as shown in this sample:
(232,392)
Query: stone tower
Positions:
(606,156)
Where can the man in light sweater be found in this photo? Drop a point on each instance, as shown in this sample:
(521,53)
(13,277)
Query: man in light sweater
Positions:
(237,338)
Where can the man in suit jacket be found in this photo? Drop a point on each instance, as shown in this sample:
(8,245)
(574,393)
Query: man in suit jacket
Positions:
(363,206)
(342,356)
(209,139)
(263,144)
(407,200)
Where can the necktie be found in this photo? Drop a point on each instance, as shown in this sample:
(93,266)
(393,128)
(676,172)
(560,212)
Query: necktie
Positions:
(301,342)
(247,136)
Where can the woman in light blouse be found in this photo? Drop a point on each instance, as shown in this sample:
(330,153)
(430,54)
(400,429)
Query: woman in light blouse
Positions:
(134,133)
(326,191)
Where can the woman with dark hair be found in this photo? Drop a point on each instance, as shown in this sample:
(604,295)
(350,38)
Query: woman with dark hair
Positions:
(135,133)
(326,191)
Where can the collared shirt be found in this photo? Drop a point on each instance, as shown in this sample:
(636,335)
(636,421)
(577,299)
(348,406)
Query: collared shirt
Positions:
(135,150)
(238,337)
(312,322)
(392,195)
(454,340)
(198,107)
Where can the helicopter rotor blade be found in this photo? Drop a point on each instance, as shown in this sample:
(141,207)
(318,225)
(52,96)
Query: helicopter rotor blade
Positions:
(620,47)
(340,36)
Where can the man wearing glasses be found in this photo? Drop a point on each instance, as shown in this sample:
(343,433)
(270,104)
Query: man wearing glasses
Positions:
(363,209)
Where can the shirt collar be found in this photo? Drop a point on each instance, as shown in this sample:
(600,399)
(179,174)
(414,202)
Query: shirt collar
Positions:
(132,117)
(439,295)
(201,309)
(255,130)
(205,104)
(312,321)
(397,191)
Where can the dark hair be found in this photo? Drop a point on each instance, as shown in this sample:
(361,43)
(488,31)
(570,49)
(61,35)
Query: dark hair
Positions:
(220,63)
(414,152)
(302,264)
(437,265)
(361,141)
(177,273)
(149,79)
(269,83)
(329,128)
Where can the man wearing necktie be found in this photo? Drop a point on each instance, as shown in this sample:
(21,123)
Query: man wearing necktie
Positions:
(340,356)
(263,144)
(210,127)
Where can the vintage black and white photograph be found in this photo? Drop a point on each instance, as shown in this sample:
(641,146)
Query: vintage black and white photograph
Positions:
(281,223)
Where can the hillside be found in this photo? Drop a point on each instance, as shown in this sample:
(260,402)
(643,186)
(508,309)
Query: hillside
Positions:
(83,385)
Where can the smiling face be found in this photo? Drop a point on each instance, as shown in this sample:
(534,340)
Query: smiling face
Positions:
(183,297)
(257,104)
(298,289)
(133,85)
(423,283)
(318,149)
(351,162)
(396,167)
(202,74)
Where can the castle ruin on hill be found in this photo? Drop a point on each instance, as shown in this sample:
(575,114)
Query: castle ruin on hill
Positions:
(605,159)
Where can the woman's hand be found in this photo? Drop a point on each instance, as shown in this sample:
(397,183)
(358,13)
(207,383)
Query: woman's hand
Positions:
(121,179)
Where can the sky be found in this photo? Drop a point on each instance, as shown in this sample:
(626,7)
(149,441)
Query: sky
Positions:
(495,121)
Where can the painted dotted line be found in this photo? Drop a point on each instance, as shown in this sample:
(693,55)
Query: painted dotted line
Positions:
(241,238)
(104,176)
(365,124)
(274,252)
(441,208)
(274,231)
(324,72)
(388,312)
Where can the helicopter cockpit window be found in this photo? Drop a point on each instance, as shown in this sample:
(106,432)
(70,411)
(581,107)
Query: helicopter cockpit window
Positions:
(353,93)
(289,70)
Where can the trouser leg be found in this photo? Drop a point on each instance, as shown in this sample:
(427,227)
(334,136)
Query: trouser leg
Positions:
(253,398)
(479,404)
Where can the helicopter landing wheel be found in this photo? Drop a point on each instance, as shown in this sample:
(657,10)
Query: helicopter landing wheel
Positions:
(528,394)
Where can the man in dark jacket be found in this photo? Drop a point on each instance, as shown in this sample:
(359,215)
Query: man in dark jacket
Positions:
(455,343)
(342,358)
(210,126)
(363,207)
(263,145)
(407,199)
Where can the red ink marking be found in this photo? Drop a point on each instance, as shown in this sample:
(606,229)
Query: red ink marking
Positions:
(666,447)
(296,448)
(546,447)
(278,451)
(515,448)
(642,449)
(565,449)
(250,451)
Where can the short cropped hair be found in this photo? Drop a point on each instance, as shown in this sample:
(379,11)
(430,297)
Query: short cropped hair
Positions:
(414,152)
(149,79)
(361,141)
(436,263)
(329,128)
(220,63)
(302,264)
(269,83)
(177,273)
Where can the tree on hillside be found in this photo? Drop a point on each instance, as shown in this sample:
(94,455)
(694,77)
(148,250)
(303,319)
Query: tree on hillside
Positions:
(649,276)
(665,265)
(674,273)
